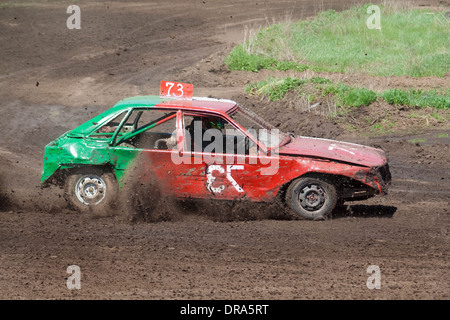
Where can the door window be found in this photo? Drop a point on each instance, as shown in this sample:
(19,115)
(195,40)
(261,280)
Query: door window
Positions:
(149,129)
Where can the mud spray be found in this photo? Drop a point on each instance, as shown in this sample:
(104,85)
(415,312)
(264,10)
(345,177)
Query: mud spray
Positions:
(143,199)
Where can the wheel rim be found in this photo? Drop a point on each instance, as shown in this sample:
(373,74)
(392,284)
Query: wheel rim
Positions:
(312,197)
(90,190)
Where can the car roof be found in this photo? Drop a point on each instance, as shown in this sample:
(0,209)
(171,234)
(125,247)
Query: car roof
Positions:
(220,106)
(194,104)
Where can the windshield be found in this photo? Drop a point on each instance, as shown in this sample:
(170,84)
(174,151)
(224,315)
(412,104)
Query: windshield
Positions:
(260,129)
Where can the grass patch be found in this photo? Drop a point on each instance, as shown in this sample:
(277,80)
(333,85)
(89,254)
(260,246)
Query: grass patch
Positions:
(319,80)
(274,88)
(417,98)
(378,128)
(349,96)
(411,42)
(386,125)
(442,135)
(417,140)
(438,117)
(240,60)
(15,4)
(346,96)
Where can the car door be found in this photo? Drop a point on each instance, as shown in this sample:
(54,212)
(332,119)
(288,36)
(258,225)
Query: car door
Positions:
(220,168)
(143,149)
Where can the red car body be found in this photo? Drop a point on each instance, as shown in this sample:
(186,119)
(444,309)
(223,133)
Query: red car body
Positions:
(360,171)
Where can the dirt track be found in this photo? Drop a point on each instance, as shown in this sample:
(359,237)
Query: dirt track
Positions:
(52,79)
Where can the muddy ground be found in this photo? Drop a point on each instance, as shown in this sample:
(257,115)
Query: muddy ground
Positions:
(52,79)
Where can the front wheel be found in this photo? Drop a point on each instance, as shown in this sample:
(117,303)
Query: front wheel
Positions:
(311,198)
(91,189)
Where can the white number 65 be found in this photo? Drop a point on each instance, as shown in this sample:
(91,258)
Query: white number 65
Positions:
(211,178)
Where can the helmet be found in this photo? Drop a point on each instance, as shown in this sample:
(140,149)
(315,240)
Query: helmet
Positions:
(216,123)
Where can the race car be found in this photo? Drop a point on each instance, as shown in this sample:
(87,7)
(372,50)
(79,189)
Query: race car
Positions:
(205,148)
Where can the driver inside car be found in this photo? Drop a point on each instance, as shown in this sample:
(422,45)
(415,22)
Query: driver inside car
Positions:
(203,124)
(241,144)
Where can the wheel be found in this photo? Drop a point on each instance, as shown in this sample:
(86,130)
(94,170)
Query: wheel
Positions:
(311,198)
(91,189)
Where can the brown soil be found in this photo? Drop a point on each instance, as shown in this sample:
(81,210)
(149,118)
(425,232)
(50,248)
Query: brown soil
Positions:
(52,79)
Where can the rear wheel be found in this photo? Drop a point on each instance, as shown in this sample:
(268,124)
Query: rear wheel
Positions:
(91,189)
(311,198)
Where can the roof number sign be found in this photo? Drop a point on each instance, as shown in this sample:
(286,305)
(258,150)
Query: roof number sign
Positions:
(176,90)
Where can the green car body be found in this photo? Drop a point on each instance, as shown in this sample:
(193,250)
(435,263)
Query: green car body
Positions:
(77,147)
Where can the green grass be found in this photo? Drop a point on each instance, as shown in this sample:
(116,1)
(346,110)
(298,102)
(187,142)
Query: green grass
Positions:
(438,117)
(383,128)
(319,80)
(414,115)
(275,88)
(417,140)
(411,42)
(417,98)
(239,59)
(15,4)
(347,96)
(442,135)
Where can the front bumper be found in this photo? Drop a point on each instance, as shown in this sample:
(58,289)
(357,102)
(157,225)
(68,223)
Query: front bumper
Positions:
(384,178)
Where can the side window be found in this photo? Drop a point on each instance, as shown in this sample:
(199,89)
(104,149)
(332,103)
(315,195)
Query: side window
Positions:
(213,134)
(107,130)
(149,129)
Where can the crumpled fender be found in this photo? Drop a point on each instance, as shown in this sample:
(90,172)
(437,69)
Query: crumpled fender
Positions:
(71,152)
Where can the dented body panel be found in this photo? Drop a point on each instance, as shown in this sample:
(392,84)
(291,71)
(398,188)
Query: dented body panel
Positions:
(336,150)
(358,171)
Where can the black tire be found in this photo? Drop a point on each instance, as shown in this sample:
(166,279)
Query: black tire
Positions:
(91,190)
(311,198)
